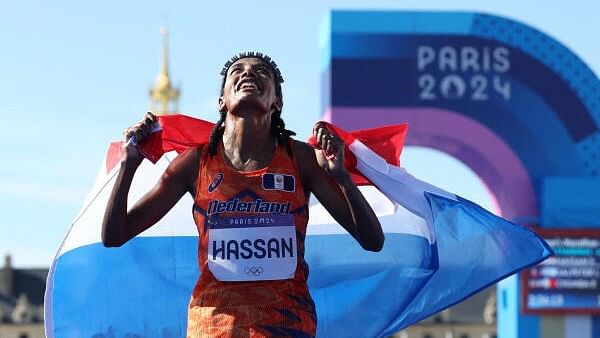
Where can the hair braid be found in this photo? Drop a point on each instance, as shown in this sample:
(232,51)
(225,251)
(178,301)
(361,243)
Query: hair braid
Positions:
(278,129)
(216,134)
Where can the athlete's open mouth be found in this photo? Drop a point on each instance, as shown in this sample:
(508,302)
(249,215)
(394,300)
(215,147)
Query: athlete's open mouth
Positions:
(248,84)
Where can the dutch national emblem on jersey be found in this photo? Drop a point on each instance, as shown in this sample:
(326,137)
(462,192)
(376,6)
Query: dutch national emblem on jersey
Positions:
(275,181)
(216,182)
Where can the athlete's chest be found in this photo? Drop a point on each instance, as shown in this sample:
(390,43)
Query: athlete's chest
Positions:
(250,223)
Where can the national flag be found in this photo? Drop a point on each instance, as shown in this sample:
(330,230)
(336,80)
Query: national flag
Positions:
(439,249)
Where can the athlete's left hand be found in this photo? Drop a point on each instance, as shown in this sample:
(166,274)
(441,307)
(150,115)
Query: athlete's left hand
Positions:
(330,151)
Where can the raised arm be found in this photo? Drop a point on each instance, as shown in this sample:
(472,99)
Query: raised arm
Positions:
(120,225)
(324,174)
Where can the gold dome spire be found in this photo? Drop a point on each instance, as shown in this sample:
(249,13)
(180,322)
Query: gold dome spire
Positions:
(163,92)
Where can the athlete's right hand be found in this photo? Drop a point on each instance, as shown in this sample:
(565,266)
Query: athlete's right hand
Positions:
(136,134)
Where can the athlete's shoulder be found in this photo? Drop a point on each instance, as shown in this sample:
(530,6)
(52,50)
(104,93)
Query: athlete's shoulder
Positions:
(302,149)
(306,161)
(191,157)
(184,168)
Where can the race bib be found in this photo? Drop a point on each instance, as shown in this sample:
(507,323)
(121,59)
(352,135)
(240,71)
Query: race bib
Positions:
(242,248)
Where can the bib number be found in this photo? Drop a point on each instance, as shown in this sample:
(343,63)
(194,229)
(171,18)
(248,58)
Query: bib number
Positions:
(252,248)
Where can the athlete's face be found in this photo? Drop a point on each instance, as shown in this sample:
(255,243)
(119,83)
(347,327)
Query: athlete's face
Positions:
(249,82)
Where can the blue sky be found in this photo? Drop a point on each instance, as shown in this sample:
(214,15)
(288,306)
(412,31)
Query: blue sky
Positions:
(75,74)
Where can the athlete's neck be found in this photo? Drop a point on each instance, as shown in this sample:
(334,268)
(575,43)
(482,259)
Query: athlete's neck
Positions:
(247,141)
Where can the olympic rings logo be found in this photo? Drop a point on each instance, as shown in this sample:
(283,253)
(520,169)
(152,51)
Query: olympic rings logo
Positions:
(254,271)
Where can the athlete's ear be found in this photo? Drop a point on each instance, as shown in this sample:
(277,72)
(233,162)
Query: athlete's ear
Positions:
(277,105)
(221,105)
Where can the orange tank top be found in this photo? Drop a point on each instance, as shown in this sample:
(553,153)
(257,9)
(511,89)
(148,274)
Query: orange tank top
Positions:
(251,228)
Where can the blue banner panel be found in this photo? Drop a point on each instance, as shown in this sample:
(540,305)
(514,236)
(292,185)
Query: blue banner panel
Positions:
(456,72)
(570,202)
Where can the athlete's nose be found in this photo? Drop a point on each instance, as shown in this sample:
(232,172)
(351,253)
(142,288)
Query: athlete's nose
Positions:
(248,71)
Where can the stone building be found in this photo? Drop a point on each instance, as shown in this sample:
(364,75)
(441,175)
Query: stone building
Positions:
(21,301)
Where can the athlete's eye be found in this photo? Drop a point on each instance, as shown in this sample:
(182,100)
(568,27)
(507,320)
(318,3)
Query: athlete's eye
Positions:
(235,69)
(263,71)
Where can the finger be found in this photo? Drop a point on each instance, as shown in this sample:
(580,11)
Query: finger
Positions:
(138,134)
(340,147)
(327,136)
(323,138)
(147,126)
(325,146)
(317,126)
(129,132)
(329,148)
(136,128)
(129,137)
(315,132)
(151,116)
(319,137)
(148,120)
(320,126)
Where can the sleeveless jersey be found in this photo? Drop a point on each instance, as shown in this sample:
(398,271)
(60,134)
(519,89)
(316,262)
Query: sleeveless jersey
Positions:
(251,229)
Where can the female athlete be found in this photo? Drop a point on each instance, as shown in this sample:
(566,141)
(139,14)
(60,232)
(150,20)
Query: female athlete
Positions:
(251,184)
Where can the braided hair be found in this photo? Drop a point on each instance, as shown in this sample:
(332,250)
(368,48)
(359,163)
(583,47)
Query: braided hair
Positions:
(277,123)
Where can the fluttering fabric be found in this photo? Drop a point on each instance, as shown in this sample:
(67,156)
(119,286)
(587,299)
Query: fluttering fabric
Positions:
(439,250)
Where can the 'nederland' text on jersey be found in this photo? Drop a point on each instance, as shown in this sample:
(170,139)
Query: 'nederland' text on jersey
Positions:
(259,248)
(235,205)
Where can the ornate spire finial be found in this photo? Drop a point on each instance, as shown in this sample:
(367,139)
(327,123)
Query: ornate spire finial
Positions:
(163,92)
(164,64)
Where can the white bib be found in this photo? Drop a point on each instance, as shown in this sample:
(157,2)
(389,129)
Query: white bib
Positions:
(252,248)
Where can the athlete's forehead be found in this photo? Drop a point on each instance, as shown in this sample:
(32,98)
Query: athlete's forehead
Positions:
(259,57)
(251,61)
